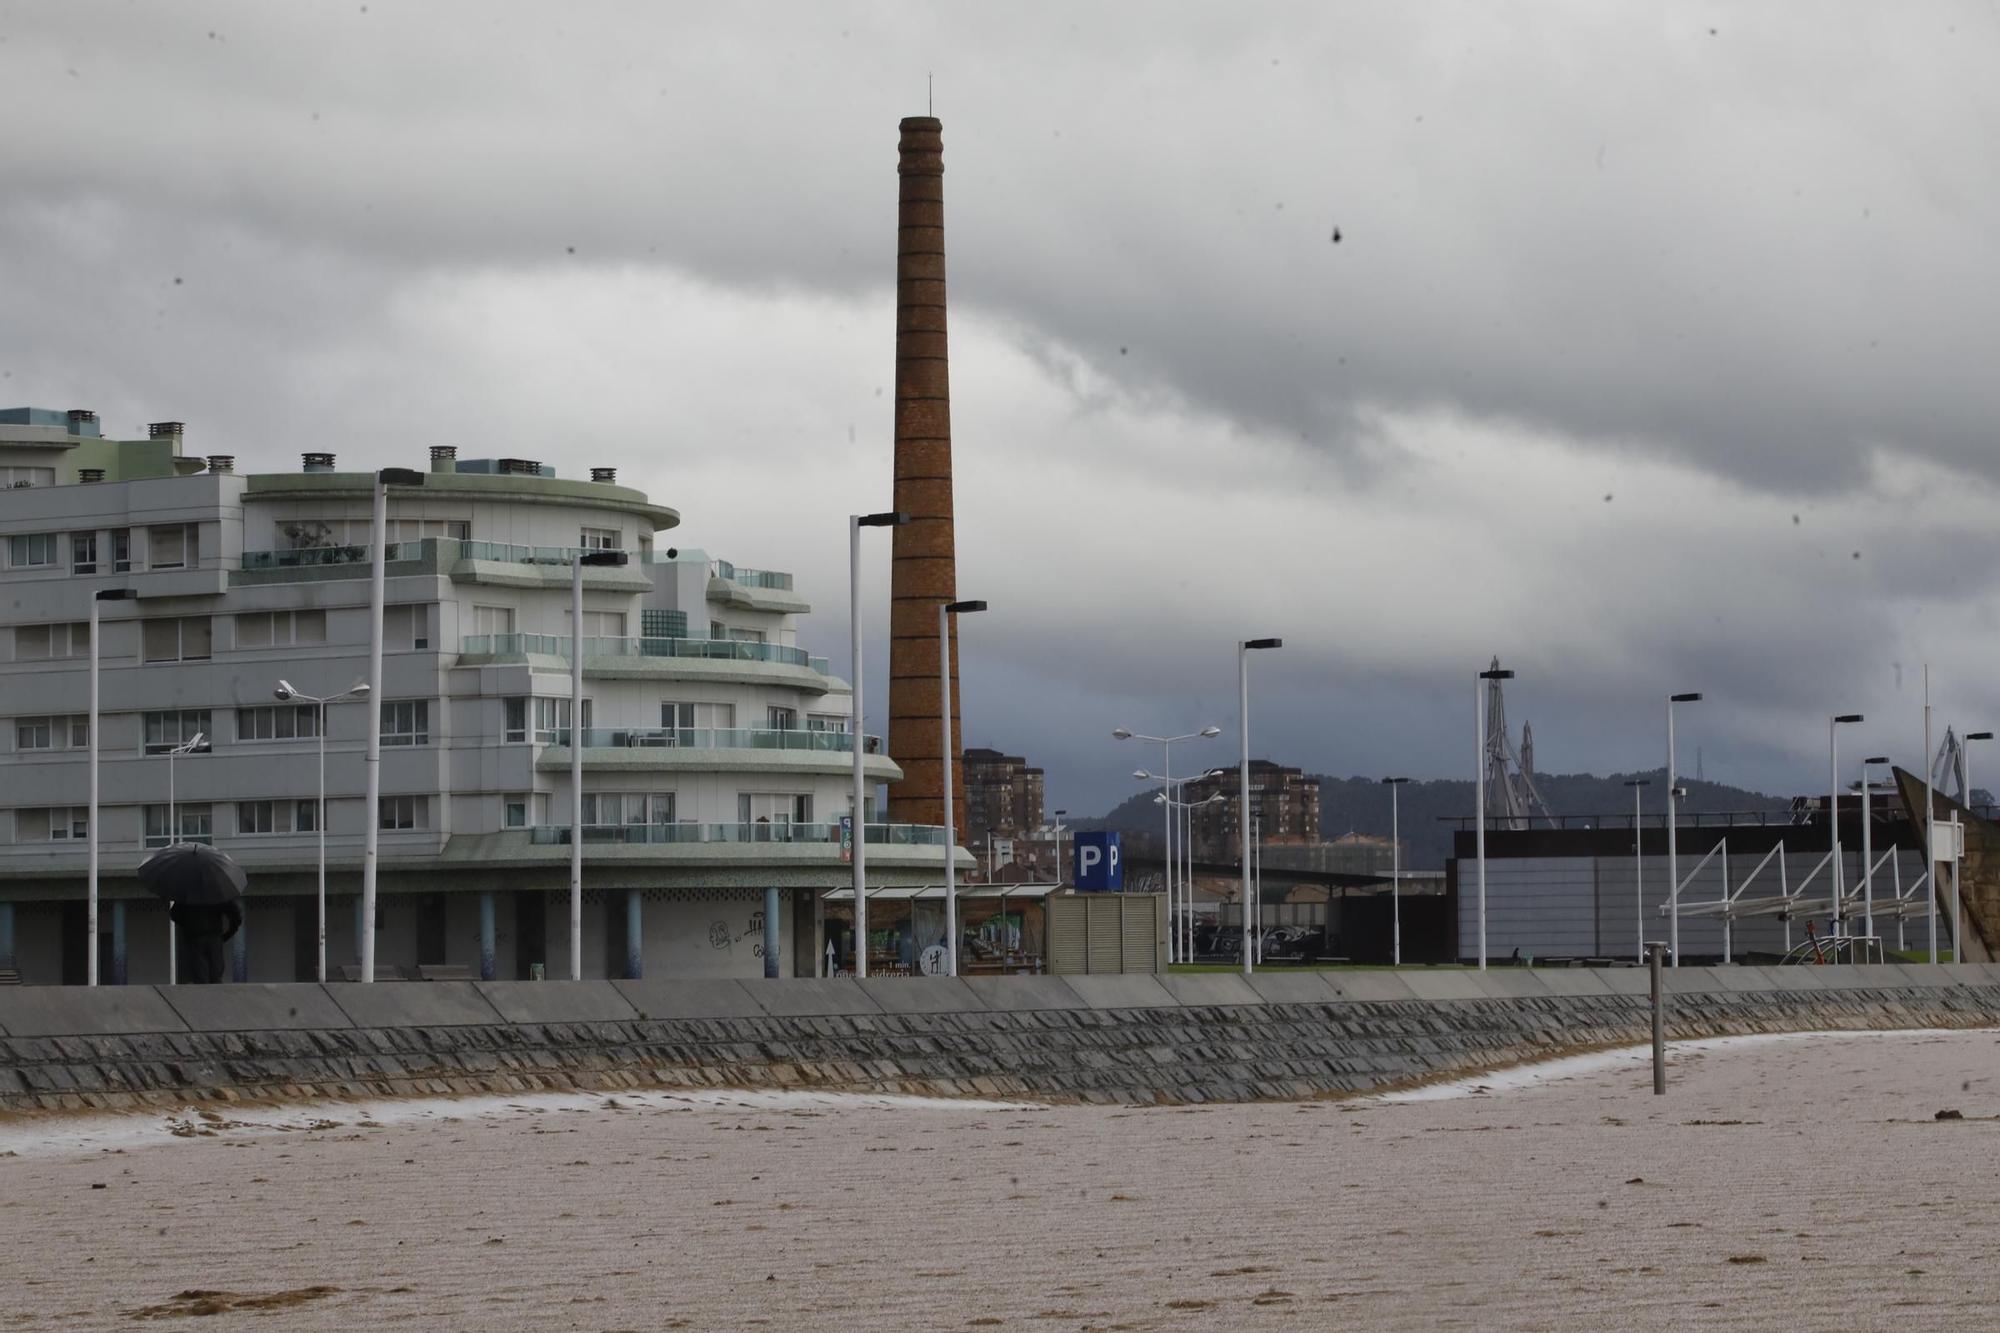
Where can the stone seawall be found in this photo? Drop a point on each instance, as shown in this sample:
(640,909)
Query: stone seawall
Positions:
(1112,1038)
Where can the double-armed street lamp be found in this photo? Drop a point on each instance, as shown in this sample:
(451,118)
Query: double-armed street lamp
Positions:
(1166,744)
(1833,813)
(1638,873)
(358,690)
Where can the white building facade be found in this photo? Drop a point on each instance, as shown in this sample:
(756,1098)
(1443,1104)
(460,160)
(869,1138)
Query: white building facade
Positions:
(717,755)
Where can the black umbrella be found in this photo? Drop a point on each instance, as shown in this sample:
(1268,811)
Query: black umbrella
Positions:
(193,872)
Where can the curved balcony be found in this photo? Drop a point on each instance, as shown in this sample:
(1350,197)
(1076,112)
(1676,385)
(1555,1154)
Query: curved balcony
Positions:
(717,738)
(711,650)
(883,835)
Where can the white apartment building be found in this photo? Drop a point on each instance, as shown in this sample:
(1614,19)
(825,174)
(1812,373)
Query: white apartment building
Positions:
(717,759)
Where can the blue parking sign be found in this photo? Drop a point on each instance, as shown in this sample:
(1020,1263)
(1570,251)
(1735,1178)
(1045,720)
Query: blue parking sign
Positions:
(1099,866)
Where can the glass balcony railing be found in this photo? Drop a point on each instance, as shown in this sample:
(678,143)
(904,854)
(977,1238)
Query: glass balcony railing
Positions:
(722,738)
(753,578)
(885,835)
(721,650)
(307,557)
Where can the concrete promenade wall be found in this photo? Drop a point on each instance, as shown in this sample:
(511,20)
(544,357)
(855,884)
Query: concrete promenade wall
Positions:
(1099,1038)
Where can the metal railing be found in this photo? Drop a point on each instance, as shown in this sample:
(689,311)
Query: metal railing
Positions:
(889,835)
(557,645)
(721,738)
(752,578)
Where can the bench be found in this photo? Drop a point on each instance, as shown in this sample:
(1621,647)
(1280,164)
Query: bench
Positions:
(446,972)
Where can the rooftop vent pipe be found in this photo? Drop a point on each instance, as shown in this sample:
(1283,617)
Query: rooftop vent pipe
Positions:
(444,458)
(80,416)
(90,474)
(222,462)
(318,462)
(166,430)
(520,467)
(604,474)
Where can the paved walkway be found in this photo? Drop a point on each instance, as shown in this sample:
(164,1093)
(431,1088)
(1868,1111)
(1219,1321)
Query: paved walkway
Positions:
(1793,1184)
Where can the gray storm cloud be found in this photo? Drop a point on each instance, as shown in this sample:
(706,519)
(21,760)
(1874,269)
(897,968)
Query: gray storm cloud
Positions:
(1724,265)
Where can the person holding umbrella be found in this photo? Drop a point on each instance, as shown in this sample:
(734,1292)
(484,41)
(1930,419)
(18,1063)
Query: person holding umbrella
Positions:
(203,886)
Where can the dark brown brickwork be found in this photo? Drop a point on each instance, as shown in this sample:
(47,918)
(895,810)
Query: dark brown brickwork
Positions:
(924,569)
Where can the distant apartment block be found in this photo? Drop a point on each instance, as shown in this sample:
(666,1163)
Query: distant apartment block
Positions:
(1284,801)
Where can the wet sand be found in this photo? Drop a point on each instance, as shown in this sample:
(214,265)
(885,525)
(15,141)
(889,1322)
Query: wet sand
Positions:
(1800,1183)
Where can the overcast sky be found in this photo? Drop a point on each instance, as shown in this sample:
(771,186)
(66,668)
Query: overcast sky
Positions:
(1656,351)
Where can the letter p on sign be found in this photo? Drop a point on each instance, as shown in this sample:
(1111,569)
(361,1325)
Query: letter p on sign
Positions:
(1099,865)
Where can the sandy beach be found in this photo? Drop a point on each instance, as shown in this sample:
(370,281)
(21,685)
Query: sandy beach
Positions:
(1797,1183)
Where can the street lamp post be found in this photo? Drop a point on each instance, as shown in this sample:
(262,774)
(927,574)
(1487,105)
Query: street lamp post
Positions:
(578,559)
(1059,833)
(859,856)
(1395,874)
(1833,814)
(90,824)
(1868,849)
(371,814)
(945,613)
(1166,744)
(1479,795)
(1674,794)
(1638,873)
(1243,650)
(192,745)
(285,691)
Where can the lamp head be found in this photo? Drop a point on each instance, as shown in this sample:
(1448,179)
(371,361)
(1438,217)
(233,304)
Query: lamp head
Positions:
(887,519)
(594,558)
(116,595)
(1121,734)
(284,690)
(1848,717)
(1979,735)
(358,688)
(1142,775)
(1497,673)
(400,476)
(963,608)
(1876,759)
(1211,731)
(1638,782)
(1694,698)
(1251,645)
(1394,782)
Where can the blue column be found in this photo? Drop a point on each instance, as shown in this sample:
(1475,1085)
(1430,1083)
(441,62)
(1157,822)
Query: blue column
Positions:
(771,933)
(359,931)
(117,941)
(487,966)
(6,935)
(239,949)
(635,939)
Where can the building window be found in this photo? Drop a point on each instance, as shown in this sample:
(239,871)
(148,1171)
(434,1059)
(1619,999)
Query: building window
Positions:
(52,733)
(35,643)
(600,539)
(405,812)
(12,478)
(34,550)
(603,809)
(827,722)
(552,720)
(280,629)
(277,722)
(165,731)
(173,547)
(305,816)
(83,552)
(657,624)
(197,824)
(516,719)
(781,719)
(65,823)
(121,550)
(406,722)
(691,717)
(257,817)
(515,813)
(406,628)
(601,624)
(774,808)
(177,639)
(492,620)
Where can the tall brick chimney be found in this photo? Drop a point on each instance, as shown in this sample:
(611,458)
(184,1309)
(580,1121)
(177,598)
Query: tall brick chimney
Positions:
(923,572)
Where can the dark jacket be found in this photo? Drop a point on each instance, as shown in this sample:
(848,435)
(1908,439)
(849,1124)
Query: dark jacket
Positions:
(221,920)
